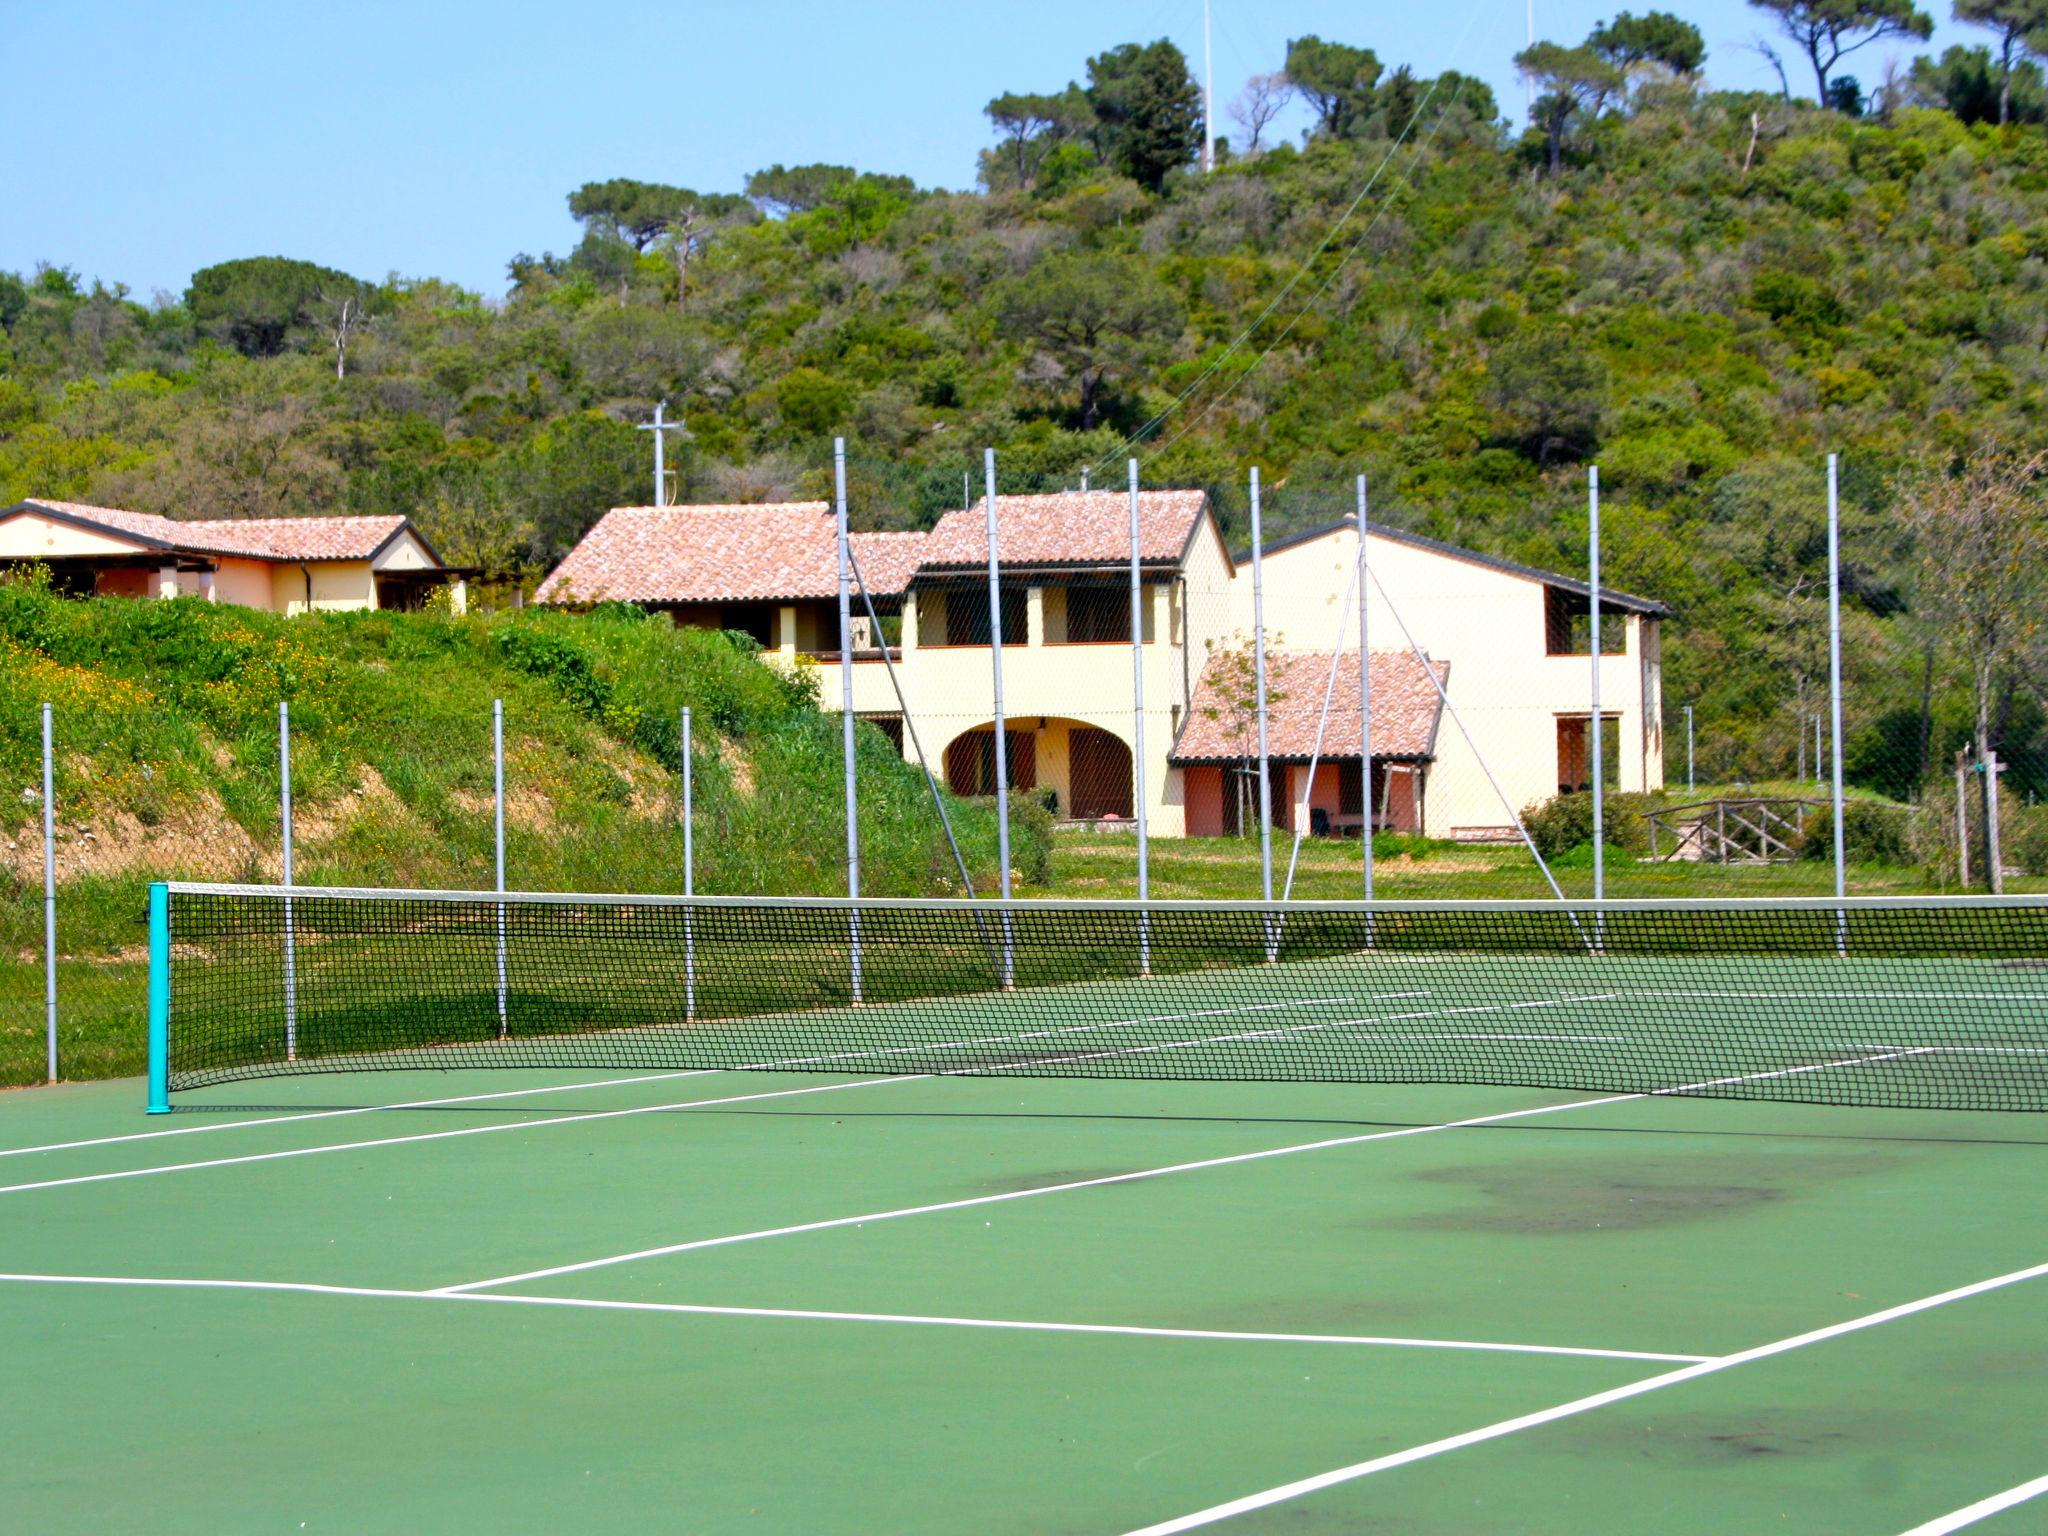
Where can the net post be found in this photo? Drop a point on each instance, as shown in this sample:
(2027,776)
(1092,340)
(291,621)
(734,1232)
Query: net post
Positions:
(291,946)
(159,999)
(1138,736)
(846,717)
(1835,701)
(1594,743)
(49,896)
(689,880)
(498,834)
(1259,697)
(1001,744)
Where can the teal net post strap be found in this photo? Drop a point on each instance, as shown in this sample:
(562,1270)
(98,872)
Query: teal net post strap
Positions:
(1932,1002)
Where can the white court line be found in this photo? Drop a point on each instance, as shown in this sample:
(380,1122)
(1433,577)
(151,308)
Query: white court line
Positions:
(807,1314)
(1125,1178)
(359,1109)
(467,1130)
(1861,997)
(1505,1427)
(1983,1509)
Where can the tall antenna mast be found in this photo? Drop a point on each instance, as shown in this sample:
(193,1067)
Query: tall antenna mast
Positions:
(660,428)
(1209,93)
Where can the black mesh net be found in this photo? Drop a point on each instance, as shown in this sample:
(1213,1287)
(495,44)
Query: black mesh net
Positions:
(1927,1004)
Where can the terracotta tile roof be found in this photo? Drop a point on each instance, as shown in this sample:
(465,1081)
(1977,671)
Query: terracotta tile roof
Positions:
(262,538)
(724,553)
(1404,709)
(1071,527)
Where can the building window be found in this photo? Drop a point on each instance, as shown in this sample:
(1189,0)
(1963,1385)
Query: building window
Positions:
(1098,614)
(967,616)
(1574,771)
(1568,621)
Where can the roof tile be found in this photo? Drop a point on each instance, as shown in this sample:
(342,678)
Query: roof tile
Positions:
(1077,527)
(1405,706)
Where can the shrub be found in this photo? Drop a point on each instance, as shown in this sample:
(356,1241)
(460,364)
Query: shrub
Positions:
(1562,824)
(1873,832)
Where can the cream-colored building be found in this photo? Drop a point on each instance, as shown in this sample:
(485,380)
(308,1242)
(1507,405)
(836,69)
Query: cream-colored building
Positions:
(1492,636)
(280,564)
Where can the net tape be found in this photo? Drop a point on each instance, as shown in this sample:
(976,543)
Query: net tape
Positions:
(1931,1003)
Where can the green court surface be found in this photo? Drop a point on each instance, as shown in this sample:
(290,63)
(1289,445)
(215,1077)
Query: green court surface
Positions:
(785,1302)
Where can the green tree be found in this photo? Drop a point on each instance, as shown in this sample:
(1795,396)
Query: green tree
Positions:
(1966,83)
(1335,79)
(2022,28)
(1548,389)
(792,189)
(1828,30)
(1094,318)
(1034,123)
(642,213)
(1656,37)
(263,304)
(1148,110)
(1573,85)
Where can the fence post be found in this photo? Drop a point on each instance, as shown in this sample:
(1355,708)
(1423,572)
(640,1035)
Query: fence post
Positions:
(689,880)
(1688,751)
(1994,862)
(1259,694)
(1365,708)
(291,937)
(1138,736)
(846,718)
(1835,699)
(498,833)
(1594,752)
(1001,744)
(49,899)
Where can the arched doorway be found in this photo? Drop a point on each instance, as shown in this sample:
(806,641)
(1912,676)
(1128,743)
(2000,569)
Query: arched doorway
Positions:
(1083,771)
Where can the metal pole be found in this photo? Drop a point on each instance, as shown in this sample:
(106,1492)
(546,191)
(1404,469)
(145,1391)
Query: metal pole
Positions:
(1259,691)
(1365,704)
(846,715)
(1593,735)
(1994,861)
(498,831)
(1688,750)
(291,939)
(689,879)
(660,468)
(1138,733)
(1818,755)
(49,900)
(1002,738)
(1835,692)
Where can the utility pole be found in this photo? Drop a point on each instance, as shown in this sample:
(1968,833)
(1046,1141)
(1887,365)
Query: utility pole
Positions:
(659,427)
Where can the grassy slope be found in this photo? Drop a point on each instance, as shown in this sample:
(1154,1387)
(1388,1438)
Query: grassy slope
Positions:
(167,767)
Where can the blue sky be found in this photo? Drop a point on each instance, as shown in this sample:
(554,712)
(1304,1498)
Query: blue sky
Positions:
(439,137)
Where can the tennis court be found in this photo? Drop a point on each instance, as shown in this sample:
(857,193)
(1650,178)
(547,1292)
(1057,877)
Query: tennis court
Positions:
(982,1279)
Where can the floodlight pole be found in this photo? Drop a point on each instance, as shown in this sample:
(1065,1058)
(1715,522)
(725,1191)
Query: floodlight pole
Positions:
(1835,692)
(846,713)
(689,879)
(49,898)
(498,841)
(1259,699)
(1138,731)
(1593,734)
(1001,744)
(291,948)
(1365,704)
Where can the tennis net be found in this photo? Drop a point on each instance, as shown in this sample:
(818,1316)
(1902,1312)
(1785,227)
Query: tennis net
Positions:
(1935,1003)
